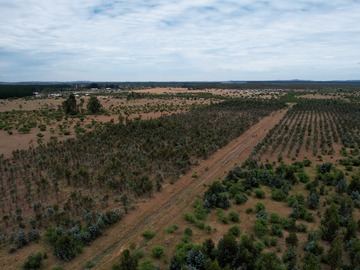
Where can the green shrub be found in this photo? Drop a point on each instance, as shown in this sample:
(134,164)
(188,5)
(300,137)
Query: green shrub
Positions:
(306,162)
(278,195)
(259,207)
(89,264)
(34,261)
(172,228)
(58,267)
(188,231)
(275,218)
(303,177)
(259,193)
(260,227)
(277,230)
(147,265)
(148,234)
(240,198)
(200,212)
(235,230)
(157,252)
(189,217)
(234,217)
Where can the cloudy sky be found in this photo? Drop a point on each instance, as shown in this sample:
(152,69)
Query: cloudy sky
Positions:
(179,40)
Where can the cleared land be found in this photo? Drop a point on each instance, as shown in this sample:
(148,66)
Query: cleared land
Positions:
(316,131)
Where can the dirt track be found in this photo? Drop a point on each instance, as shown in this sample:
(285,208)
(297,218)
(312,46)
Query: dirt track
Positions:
(166,207)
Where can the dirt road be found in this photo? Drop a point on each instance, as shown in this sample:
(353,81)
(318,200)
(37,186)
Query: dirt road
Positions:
(165,207)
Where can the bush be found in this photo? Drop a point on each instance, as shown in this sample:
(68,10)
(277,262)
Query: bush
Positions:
(277,230)
(58,267)
(147,265)
(306,162)
(172,228)
(157,252)
(34,261)
(259,207)
(65,248)
(200,212)
(148,234)
(20,239)
(240,198)
(234,217)
(188,231)
(275,218)
(259,193)
(189,217)
(235,230)
(292,239)
(278,195)
(260,227)
(89,264)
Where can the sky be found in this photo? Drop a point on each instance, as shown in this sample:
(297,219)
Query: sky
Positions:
(179,40)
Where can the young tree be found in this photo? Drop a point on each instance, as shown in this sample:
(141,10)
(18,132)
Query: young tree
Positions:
(127,261)
(69,105)
(335,253)
(93,105)
(330,224)
(227,250)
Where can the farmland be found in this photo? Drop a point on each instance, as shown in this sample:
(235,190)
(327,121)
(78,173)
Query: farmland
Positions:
(252,171)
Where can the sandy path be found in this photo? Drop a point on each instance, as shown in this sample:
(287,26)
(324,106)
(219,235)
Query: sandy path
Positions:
(165,207)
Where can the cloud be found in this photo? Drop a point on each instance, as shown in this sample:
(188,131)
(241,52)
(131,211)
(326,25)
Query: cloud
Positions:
(178,39)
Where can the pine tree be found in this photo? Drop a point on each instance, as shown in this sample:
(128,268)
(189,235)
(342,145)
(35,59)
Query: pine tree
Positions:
(335,253)
(93,105)
(330,224)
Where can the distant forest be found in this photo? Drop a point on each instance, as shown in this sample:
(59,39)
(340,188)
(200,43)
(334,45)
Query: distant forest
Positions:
(22,89)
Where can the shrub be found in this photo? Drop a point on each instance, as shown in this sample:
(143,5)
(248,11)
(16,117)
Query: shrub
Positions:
(188,231)
(172,228)
(34,261)
(58,267)
(292,239)
(89,264)
(234,217)
(147,265)
(200,212)
(278,195)
(259,207)
(260,227)
(313,201)
(240,198)
(148,234)
(303,177)
(306,162)
(157,252)
(259,193)
(275,218)
(277,230)
(189,217)
(20,239)
(235,230)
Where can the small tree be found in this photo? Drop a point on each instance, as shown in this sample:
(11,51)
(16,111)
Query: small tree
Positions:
(127,261)
(94,105)
(292,239)
(69,105)
(330,224)
(313,201)
(34,261)
(335,253)
(227,250)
